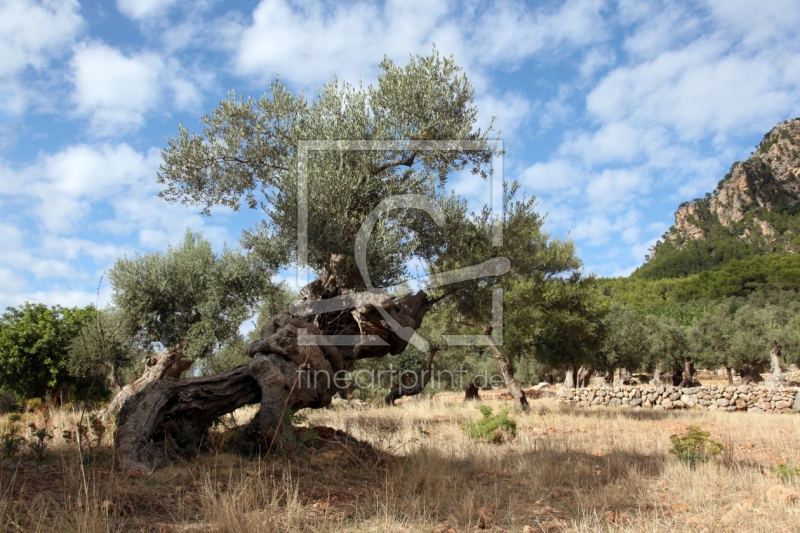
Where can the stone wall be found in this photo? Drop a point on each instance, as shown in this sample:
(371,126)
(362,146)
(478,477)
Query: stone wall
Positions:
(753,399)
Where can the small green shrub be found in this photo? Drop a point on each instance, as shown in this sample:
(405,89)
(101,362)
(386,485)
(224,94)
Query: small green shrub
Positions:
(694,446)
(786,472)
(34,404)
(38,441)
(10,439)
(491,427)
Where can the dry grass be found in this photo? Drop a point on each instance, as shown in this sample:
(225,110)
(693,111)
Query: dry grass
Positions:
(567,470)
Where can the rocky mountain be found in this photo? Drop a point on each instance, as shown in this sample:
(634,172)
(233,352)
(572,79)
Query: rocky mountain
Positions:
(754,210)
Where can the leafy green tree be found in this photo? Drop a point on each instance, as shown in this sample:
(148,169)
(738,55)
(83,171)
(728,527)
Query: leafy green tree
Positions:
(186,301)
(755,332)
(625,343)
(34,343)
(250,150)
(710,338)
(544,313)
(103,350)
(669,348)
(566,328)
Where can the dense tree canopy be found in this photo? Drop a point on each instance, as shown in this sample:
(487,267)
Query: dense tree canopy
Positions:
(736,278)
(188,295)
(34,346)
(250,150)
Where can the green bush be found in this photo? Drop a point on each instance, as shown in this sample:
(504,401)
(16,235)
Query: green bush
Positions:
(786,472)
(694,446)
(491,427)
(10,439)
(8,402)
(39,440)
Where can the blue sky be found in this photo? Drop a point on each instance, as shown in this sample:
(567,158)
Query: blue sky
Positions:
(613,112)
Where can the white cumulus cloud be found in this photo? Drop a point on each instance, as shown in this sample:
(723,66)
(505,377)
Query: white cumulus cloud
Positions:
(116,90)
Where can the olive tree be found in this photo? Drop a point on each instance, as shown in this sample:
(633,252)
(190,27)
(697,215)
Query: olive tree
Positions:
(625,342)
(669,346)
(184,303)
(103,349)
(547,305)
(251,153)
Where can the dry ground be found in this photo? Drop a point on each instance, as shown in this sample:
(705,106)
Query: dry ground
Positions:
(567,470)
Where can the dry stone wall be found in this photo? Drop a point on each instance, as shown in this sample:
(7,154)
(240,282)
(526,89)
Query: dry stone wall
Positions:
(752,399)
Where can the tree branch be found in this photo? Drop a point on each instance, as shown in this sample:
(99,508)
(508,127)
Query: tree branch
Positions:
(409,161)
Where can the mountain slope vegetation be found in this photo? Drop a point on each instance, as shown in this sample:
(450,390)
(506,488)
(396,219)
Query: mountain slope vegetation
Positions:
(754,212)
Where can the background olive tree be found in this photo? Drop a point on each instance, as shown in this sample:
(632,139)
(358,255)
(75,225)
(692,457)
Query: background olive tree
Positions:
(184,303)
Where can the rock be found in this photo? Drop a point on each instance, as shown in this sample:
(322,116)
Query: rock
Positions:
(781,494)
(666,404)
(677,404)
(689,400)
(722,402)
(741,405)
(614,402)
(796,406)
(755,410)
(636,401)
(782,404)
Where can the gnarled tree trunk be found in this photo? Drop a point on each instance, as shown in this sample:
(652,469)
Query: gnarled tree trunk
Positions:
(688,375)
(412,387)
(288,370)
(585,374)
(750,374)
(505,367)
(657,374)
(170,363)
